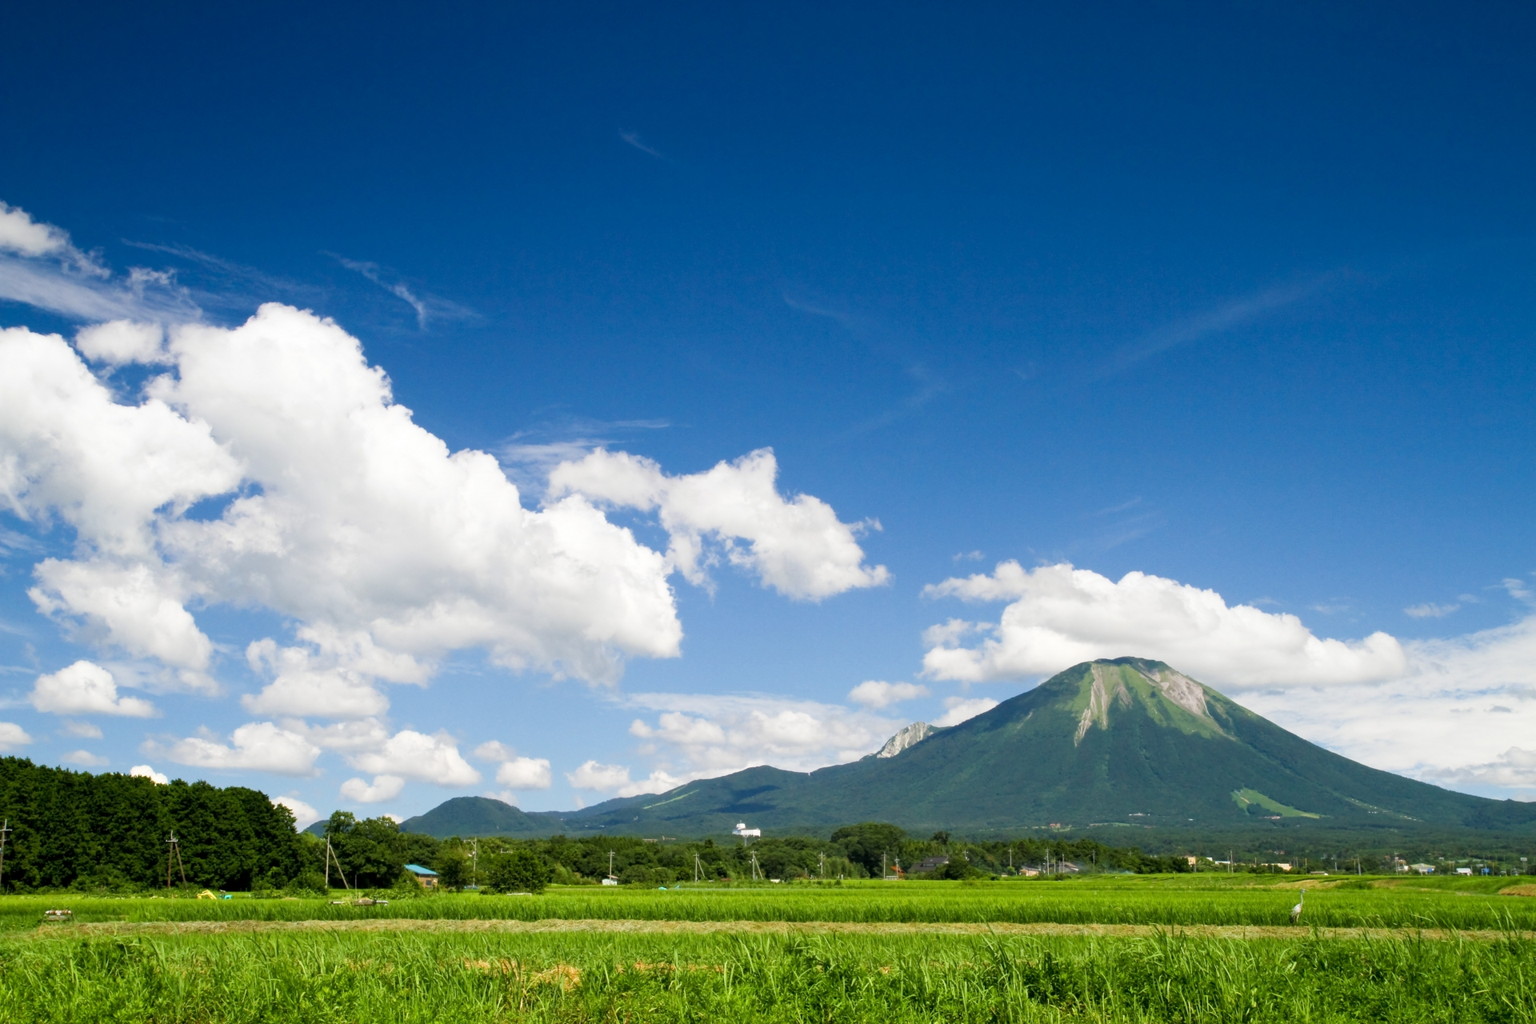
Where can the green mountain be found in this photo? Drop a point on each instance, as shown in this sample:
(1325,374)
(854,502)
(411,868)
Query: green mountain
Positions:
(1117,743)
(480,816)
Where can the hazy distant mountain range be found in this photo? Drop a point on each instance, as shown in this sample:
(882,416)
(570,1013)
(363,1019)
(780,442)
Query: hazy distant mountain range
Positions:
(1117,744)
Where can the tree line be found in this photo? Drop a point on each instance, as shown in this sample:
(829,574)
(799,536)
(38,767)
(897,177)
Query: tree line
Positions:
(373,851)
(75,829)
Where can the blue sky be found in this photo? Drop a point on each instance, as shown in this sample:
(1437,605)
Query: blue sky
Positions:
(563,403)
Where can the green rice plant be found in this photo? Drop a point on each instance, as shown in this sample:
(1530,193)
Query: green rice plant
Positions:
(1147,903)
(578,977)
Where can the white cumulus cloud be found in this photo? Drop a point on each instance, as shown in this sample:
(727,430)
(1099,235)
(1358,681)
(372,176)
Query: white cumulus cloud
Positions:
(255,746)
(33,239)
(704,735)
(524,773)
(85,688)
(495,750)
(122,341)
(266,467)
(383,787)
(12,737)
(414,755)
(1057,616)
(418,550)
(513,770)
(133,606)
(111,470)
(876,694)
(614,779)
(594,775)
(959,709)
(1461,714)
(144,771)
(304,815)
(796,546)
(311,681)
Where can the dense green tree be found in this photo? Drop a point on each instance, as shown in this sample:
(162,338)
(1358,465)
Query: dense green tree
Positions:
(452,866)
(518,870)
(370,852)
(867,843)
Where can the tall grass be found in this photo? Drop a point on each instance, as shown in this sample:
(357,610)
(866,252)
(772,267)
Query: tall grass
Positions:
(567,978)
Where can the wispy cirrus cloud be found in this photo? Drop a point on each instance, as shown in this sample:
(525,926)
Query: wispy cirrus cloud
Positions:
(633,139)
(1226,317)
(881,340)
(41,267)
(1431,610)
(427,307)
(232,285)
(57,289)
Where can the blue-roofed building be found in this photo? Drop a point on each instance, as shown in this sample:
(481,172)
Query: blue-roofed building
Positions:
(425,876)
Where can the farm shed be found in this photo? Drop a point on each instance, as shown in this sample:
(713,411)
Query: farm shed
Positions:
(425,876)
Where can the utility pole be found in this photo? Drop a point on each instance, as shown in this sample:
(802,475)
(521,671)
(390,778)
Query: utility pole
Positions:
(173,856)
(698,869)
(5,833)
(756,875)
(331,858)
(610,863)
(474,863)
(821,865)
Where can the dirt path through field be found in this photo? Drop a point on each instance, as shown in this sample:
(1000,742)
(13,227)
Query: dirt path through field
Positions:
(756,928)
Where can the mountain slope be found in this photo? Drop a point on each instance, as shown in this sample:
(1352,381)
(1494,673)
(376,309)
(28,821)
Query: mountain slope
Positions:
(1124,741)
(479,816)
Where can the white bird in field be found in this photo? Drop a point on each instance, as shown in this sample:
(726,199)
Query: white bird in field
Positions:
(1296,910)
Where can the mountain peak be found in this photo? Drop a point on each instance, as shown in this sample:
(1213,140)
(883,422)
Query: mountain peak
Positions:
(907,737)
(1166,694)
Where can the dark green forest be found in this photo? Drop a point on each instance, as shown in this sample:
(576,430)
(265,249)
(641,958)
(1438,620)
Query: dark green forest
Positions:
(75,829)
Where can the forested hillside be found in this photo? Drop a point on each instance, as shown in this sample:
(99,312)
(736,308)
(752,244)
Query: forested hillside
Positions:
(73,827)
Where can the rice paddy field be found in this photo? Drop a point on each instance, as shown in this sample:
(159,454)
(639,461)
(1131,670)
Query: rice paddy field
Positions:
(1100,949)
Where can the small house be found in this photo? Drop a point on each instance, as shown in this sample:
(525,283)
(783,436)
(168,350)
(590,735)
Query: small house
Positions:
(425,877)
(928,865)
